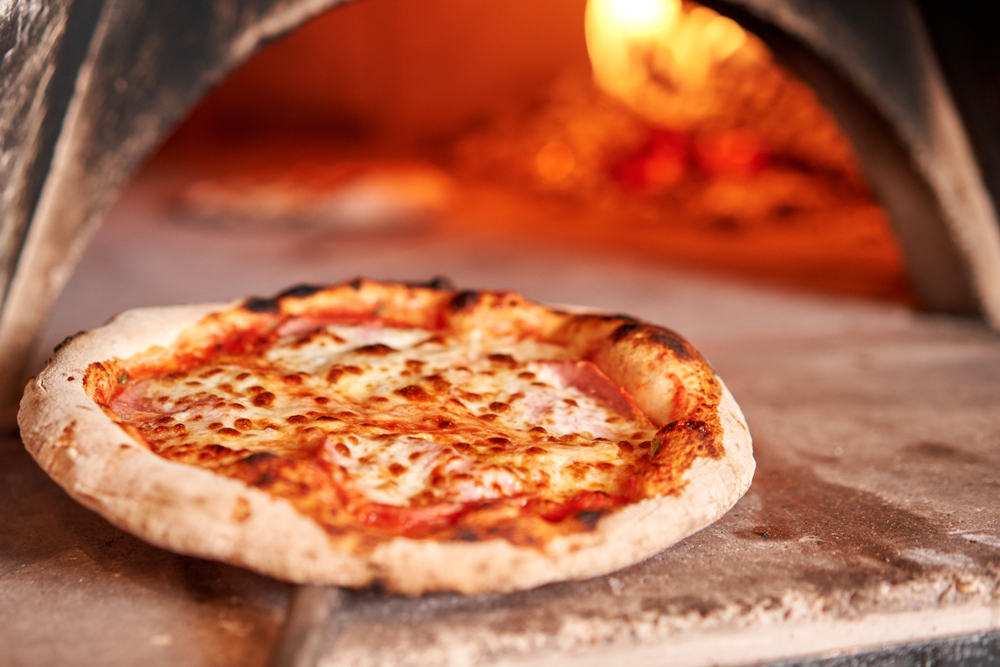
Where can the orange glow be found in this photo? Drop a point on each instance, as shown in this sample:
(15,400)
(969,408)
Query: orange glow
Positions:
(734,152)
(555,161)
(657,56)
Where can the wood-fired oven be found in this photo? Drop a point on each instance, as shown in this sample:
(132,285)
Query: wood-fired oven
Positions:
(390,136)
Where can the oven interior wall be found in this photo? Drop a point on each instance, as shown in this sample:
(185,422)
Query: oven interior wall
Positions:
(388,80)
(395,71)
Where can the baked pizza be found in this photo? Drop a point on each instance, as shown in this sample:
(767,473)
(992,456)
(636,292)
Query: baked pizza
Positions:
(415,436)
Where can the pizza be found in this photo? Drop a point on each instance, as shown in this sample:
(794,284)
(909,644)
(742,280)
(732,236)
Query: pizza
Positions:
(416,436)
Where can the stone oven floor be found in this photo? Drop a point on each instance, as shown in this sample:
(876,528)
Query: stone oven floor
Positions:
(874,517)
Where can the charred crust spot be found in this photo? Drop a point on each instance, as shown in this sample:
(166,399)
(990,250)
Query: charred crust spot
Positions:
(672,342)
(294,378)
(463,300)
(489,417)
(440,283)
(328,418)
(228,431)
(413,393)
(322,400)
(693,426)
(165,419)
(299,291)
(343,450)
(497,406)
(397,469)
(538,429)
(214,425)
(624,330)
(70,378)
(445,424)
(498,440)
(376,349)
(297,419)
(378,399)
(534,450)
(570,402)
(527,375)
(589,518)
(179,429)
(466,535)
(625,446)
(66,341)
(462,447)
(258,305)
(257,459)
(264,399)
(356,283)
(243,424)
(242,376)
(692,435)
(707,449)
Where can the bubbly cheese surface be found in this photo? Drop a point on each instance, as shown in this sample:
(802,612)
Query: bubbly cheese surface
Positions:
(410,418)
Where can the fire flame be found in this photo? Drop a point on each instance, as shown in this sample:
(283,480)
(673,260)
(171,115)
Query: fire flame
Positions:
(657,56)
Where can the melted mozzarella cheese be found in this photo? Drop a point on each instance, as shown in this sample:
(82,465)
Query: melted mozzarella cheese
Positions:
(411,418)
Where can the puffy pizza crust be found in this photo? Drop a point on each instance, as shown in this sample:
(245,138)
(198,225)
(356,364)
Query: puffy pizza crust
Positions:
(193,511)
